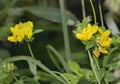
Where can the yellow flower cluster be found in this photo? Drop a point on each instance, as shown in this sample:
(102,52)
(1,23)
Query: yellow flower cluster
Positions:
(21,31)
(103,42)
(100,37)
(87,33)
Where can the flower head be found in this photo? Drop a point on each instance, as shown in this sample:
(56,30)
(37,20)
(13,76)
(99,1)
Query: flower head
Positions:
(87,33)
(96,37)
(21,31)
(103,42)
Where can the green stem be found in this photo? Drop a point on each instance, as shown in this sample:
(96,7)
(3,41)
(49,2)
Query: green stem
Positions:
(101,16)
(28,44)
(106,82)
(96,62)
(83,8)
(36,62)
(65,30)
(14,77)
(94,13)
(62,76)
(93,68)
(60,57)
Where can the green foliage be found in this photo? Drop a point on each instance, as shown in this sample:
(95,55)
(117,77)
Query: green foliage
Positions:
(4,32)
(47,17)
(79,74)
(82,25)
(89,44)
(50,13)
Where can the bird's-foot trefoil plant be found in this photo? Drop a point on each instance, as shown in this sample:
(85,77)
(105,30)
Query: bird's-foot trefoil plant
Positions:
(87,54)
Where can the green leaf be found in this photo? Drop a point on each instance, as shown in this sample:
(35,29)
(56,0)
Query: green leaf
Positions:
(110,77)
(72,78)
(101,74)
(3,75)
(90,75)
(5,54)
(76,68)
(50,13)
(89,44)
(37,31)
(74,81)
(33,68)
(4,32)
(29,80)
(114,65)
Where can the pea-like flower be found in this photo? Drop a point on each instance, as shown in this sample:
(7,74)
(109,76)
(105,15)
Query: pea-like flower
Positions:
(101,40)
(105,40)
(21,31)
(102,43)
(87,33)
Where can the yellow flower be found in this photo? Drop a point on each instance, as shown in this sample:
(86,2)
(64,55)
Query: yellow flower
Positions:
(96,53)
(87,33)
(28,29)
(21,31)
(105,40)
(99,50)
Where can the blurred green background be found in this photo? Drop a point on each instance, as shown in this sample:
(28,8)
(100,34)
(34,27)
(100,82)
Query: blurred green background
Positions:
(45,15)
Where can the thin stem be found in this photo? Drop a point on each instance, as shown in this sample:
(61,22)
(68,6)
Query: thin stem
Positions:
(83,8)
(93,68)
(101,16)
(62,76)
(14,77)
(94,13)
(96,62)
(65,30)
(60,57)
(36,62)
(106,82)
(28,44)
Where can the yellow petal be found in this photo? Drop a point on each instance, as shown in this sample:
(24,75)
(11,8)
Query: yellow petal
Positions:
(12,39)
(89,27)
(89,35)
(100,30)
(96,53)
(19,39)
(105,35)
(105,44)
(103,50)
(109,39)
(78,36)
(94,29)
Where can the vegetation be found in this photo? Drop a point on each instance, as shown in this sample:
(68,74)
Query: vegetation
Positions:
(59,42)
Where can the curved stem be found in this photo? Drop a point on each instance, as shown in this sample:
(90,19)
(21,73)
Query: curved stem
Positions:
(14,77)
(101,16)
(28,44)
(62,76)
(36,62)
(94,13)
(93,68)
